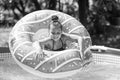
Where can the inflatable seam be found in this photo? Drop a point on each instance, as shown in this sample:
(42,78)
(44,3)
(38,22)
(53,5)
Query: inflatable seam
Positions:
(27,55)
(65,63)
(75,28)
(20,45)
(66,21)
(38,21)
(24,33)
(51,58)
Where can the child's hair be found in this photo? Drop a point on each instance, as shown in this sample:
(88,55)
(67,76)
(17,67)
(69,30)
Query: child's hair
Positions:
(55,22)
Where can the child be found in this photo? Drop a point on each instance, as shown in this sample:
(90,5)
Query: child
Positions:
(57,40)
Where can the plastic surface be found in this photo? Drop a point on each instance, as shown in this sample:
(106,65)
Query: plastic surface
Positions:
(33,27)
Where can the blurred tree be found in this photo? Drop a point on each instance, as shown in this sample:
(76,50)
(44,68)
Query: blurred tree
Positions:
(101,13)
(20,5)
(36,4)
(83,8)
(52,4)
(71,8)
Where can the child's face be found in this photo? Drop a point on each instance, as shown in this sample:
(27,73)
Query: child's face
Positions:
(55,33)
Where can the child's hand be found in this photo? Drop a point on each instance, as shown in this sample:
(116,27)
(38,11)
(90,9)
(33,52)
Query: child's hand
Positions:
(73,45)
(39,53)
(76,45)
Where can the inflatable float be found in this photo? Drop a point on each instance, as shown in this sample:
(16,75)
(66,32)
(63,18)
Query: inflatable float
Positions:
(55,64)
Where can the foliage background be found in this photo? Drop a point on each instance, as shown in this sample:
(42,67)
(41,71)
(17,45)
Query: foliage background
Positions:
(95,15)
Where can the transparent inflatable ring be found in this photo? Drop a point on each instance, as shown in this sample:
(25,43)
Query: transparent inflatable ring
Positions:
(55,64)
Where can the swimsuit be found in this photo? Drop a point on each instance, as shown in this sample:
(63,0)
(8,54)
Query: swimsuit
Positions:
(60,49)
(48,47)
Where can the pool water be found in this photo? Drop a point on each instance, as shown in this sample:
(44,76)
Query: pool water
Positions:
(9,70)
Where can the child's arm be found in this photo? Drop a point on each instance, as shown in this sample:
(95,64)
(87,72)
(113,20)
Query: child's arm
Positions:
(36,45)
(38,49)
(74,37)
(39,46)
(78,39)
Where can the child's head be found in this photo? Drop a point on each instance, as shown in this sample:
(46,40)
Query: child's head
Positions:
(55,28)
